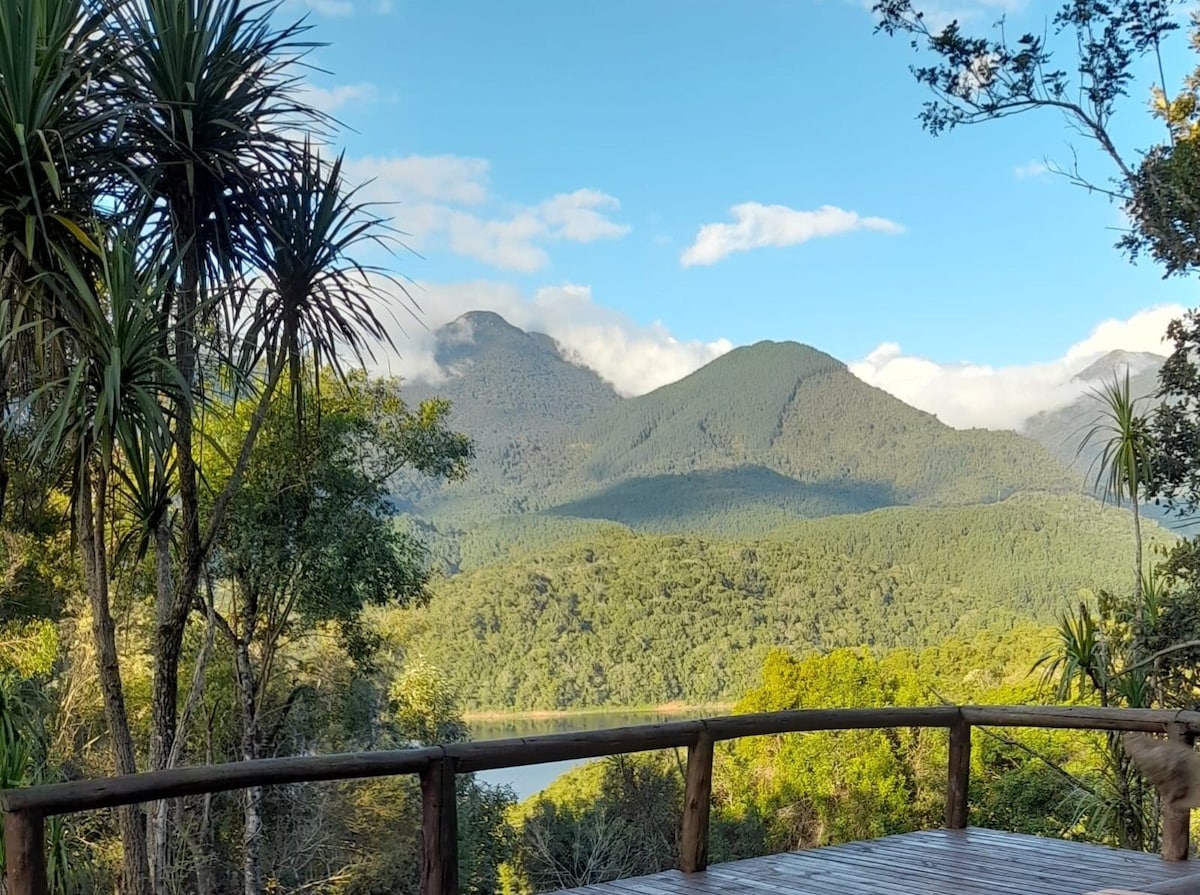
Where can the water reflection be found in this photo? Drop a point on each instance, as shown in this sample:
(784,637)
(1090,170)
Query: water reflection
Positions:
(534,778)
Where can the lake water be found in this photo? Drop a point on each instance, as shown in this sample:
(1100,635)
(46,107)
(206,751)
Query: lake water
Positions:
(534,778)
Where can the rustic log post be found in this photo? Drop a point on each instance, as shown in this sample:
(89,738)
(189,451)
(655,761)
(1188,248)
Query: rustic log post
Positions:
(959,775)
(439,829)
(25,851)
(693,840)
(1177,822)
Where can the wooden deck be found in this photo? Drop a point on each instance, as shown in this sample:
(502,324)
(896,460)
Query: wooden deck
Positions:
(932,862)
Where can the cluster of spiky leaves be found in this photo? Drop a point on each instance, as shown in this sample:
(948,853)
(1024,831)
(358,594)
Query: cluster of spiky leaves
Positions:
(137,157)
(170,240)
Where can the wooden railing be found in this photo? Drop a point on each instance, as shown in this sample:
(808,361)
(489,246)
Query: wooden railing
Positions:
(25,810)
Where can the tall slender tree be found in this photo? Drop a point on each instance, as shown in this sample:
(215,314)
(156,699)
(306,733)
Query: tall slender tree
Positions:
(1123,468)
(150,164)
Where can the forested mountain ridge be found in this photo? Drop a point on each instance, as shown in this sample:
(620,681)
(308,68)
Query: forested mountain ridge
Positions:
(801,414)
(1062,430)
(503,381)
(620,618)
(514,393)
(763,435)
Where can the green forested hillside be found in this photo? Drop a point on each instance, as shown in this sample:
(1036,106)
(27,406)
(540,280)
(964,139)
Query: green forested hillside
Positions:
(799,412)
(514,393)
(764,435)
(618,618)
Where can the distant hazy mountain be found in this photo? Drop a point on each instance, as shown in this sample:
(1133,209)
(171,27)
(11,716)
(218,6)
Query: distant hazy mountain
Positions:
(1063,430)
(505,383)
(513,392)
(762,435)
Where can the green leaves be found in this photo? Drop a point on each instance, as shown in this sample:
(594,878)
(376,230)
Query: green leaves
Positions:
(1081,664)
(211,84)
(318,301)
(976,79)
(112,402)
(310,537)
(1125,462)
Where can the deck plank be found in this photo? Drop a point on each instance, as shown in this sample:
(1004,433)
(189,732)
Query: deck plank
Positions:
(930,862)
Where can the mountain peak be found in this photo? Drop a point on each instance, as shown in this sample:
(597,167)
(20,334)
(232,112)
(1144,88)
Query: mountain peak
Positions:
(1116,361)
(483,318)
(478,333)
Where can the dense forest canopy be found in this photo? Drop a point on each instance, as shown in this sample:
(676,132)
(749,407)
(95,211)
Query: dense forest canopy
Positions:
(222,539)
(623,619)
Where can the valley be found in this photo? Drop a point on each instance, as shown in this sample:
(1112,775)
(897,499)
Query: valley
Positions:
(609,552)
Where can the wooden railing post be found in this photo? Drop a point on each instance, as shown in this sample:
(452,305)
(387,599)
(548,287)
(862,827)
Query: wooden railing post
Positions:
(959,777)
(1177,822)
(693,840)
(439,829)
(25,851)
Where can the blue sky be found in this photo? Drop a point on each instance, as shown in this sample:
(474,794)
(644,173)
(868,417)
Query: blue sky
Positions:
(558,160)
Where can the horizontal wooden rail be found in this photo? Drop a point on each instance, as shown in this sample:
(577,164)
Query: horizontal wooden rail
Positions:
(486,755)
(1080,718)
(26,809)
(129,789)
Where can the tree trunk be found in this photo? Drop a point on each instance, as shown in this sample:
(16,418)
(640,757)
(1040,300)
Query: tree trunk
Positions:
(175,600)
(252,816)
(163,715)
(203,854)
(91,510)
(1139,600)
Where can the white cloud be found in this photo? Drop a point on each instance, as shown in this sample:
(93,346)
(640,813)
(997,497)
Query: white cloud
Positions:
(1030,169)
(331,99)
(758,226)
(634,358)
(967,394)
(579,217)
(439,178)
(506,244)
(976,77)
(433,194)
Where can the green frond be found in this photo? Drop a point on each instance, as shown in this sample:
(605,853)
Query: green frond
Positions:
(319,302)
(1123,466)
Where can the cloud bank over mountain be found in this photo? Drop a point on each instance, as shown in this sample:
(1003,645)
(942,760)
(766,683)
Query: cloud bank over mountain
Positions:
(968,395)
(636,359)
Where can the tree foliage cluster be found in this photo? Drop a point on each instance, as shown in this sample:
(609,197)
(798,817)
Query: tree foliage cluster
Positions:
(623,619)
(620,817)
(279,658)
(1136,647)
(182,299)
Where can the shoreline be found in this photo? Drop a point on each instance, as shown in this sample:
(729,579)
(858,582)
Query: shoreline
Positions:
(670,709)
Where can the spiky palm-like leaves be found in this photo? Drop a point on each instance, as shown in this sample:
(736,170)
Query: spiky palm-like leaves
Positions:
(23,744)
(214,82)
(57,124)
(57,152)
(112,403)
(110,422)
(1123,467)
(319,302)
(1081,665)
(175,120)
